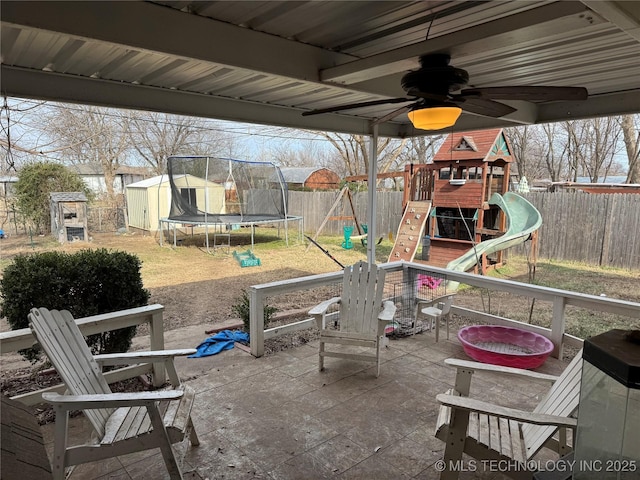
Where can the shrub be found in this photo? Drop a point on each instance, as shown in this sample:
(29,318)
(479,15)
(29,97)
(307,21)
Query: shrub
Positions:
(88,282)
(34,186)
(241,308)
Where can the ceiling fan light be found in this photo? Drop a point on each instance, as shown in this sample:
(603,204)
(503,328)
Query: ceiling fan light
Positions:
(434,118)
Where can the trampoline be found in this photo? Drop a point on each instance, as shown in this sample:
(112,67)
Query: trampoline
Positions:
(225,194)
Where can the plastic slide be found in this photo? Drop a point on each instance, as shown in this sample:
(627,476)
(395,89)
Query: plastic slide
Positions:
(522,220)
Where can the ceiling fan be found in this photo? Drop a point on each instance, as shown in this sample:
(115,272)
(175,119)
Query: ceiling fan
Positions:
(432,91)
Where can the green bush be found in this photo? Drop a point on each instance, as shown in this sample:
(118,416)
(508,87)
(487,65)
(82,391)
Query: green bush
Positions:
(88,282)
(241,308)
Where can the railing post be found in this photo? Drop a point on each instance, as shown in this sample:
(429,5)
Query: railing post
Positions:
(558,325)
(256,322)
(156,342)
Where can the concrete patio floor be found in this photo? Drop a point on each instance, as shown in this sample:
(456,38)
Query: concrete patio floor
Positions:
(277,417)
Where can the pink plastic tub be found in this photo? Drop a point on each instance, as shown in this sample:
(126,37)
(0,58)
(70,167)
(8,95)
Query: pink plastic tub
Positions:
(507,346)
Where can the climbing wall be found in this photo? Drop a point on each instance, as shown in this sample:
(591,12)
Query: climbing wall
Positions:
(410,231)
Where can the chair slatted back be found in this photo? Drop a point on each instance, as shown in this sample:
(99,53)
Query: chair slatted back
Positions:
(446,306)
(62,341)
(362,290)
(561,400)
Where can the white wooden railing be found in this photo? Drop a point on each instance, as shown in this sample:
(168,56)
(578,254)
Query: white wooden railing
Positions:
(560,299)
(150,314)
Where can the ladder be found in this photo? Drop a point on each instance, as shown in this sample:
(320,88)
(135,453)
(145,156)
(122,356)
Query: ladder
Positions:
(410,231)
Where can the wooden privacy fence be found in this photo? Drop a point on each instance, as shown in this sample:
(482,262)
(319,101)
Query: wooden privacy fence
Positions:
(314,206)
(602,229)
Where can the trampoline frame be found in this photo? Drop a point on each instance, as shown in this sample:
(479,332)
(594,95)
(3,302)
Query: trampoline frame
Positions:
(172,225)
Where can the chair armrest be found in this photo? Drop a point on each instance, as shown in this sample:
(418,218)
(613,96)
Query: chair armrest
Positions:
(473,405)
(321,308)
(129,358)
(110,400)
(388,311)
(454,362)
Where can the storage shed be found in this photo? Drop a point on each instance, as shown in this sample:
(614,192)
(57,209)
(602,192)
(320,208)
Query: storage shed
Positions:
(313,177)
(149,200)
(69,216)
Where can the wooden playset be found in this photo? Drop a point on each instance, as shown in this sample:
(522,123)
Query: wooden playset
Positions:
(446,203)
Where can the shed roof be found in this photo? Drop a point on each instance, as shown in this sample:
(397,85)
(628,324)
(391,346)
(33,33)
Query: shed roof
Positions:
(68,197)
(484,145)
(150,182)
(162,179)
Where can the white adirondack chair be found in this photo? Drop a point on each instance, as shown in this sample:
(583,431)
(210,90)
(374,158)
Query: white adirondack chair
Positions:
(487,431)
(363,315)
(123,422)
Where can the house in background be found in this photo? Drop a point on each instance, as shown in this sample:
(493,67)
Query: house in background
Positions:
(93,176)
(314,178)
(6,185)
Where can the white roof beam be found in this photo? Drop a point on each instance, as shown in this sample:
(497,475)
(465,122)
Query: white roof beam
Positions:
(135,25)
(22,82)
(490,35)
(624,15)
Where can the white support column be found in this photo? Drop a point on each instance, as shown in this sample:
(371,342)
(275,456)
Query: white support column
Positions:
(558,325)
(371,208)
(256,323)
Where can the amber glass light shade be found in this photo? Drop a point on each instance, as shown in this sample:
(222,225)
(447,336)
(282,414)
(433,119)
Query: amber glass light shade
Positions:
(434,118)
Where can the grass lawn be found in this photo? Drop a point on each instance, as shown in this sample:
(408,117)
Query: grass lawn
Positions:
(197,287)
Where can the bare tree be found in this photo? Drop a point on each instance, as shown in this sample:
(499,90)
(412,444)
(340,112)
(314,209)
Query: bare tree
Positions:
(631,135)
(87,134)
(593,145)
(20,141)
(535,149)
(297,154)
(354,151)
(555,151)
(157,136)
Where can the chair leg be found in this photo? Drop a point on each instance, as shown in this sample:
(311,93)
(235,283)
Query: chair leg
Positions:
(437,322)
(60,442)
(193,436)
(321,357)
(164,443)
(446,320)
(378,356)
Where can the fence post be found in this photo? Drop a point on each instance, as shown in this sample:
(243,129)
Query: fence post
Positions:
(256,322)
(156,342)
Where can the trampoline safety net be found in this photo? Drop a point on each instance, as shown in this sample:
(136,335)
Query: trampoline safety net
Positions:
(222,190)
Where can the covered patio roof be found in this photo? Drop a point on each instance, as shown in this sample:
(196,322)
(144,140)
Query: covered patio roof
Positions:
(267,62)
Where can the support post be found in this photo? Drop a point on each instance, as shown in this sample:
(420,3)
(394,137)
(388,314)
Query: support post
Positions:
(558,325)
(371,210)
(256,323)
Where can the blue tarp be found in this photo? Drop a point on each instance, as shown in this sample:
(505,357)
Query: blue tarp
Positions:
(223,340)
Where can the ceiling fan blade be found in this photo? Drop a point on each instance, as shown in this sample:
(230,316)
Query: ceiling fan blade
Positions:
(528,93)
(350,106)
(394,114)
(483,106)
